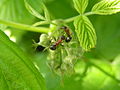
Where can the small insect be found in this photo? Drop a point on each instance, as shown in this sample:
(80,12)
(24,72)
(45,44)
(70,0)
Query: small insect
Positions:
(67,30)
(53,47)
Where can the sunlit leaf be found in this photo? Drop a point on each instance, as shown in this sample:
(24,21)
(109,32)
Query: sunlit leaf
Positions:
(17,72)
(85,32)
(98,77)
(80,5)
(106,7)
(116,66)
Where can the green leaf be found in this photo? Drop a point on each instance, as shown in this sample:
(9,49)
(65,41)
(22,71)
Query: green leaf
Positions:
(17,72)
(80,5)
(106,7)
(85,32)
(33,11)
(47,15)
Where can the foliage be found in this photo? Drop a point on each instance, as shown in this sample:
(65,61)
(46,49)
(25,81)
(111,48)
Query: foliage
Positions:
(90,61)
(85,32)
(106,7)
(16,69)
(80,5)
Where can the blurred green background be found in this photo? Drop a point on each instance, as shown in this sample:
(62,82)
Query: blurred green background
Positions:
(106,55)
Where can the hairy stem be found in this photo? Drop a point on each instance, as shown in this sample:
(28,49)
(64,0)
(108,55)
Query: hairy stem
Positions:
(43,23)
(24,27)
(37,29)
(73,18)
(40,23)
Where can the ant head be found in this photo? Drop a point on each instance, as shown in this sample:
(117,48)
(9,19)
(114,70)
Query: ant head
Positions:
(53,47)
(64,27)
(62,37)
(68,39)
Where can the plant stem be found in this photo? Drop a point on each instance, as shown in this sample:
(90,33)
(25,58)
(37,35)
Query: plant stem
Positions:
(43,23)
(38,29)
(40,23)
(73,18)
(111,76)
(25,27)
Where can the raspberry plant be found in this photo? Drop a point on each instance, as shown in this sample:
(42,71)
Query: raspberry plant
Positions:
(64,59)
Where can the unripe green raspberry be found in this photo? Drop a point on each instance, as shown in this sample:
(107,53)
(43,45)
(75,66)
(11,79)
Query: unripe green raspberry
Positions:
(44,40)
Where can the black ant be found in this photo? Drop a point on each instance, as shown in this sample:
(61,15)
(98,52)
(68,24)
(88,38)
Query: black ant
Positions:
(67,30)
(53,47)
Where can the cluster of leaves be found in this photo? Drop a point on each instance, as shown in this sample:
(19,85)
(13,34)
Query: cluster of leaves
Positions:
(62,59)
(35,13)
(84,28)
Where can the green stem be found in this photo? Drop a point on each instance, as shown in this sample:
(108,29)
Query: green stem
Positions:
(25,27)
(40,23)
(43,23)
(111,76)
(89,13)
(73,18)
(38,29)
